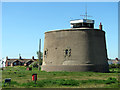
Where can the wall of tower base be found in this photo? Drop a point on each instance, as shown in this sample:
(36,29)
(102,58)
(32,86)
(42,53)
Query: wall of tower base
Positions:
(75,68)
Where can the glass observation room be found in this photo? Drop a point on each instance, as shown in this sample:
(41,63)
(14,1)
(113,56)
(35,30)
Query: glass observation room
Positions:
(82,23)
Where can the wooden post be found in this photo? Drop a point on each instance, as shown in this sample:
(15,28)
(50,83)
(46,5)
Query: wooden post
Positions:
(39,55)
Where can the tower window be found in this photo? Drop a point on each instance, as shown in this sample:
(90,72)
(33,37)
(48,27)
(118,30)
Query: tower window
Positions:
(67,52)
(45,52)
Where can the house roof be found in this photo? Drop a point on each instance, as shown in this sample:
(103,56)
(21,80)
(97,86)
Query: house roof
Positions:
(21,60)
(113,60)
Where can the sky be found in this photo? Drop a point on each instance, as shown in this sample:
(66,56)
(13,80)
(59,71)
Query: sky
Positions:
(24,23)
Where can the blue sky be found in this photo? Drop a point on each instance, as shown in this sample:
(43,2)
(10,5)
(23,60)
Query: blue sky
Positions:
(23,24)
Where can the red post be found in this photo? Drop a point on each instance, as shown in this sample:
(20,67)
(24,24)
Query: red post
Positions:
(34,77)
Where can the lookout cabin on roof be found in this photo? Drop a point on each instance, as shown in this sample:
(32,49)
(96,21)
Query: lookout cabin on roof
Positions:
(82,23)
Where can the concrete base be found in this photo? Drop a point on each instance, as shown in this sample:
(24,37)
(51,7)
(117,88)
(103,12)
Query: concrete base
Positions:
(76,68)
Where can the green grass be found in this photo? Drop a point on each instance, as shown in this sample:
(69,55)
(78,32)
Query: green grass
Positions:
(62,82)
(21,78)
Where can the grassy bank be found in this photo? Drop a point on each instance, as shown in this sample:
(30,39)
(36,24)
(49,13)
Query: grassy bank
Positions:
(22,78)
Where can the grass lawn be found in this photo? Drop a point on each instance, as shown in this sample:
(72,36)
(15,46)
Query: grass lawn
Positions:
(22,78)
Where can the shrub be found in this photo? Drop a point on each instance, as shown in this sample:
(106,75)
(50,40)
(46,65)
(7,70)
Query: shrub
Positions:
(112,66)
(110,80)
(12,84)
(34,64)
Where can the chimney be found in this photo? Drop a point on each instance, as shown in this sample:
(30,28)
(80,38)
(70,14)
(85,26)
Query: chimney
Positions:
(6,57)
(100,26)
(33,57)
(20,57)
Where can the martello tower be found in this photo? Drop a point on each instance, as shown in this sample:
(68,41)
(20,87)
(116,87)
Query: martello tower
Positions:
(80,48)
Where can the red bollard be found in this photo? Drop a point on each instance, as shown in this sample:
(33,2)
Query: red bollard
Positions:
(34,77)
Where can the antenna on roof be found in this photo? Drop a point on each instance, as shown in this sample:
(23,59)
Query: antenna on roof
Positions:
(85,16)
(86,11)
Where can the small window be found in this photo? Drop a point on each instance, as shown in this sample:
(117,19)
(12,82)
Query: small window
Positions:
(9,63)
(15,63)
(66,51)
(45,52)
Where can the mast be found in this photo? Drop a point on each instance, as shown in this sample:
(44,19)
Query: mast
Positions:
(86,15)
(39,55)
(86,12)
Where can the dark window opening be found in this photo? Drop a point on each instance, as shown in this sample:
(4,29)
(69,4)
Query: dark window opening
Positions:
(66,51)
(8,63)
(45,52)
(79,25)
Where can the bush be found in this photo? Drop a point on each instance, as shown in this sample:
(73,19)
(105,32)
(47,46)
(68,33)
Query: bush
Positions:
(114,66)
(118,65)
(12,84)
(110,80)
(34,64)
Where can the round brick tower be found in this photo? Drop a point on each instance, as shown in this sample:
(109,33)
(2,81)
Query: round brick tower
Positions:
(81,48)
